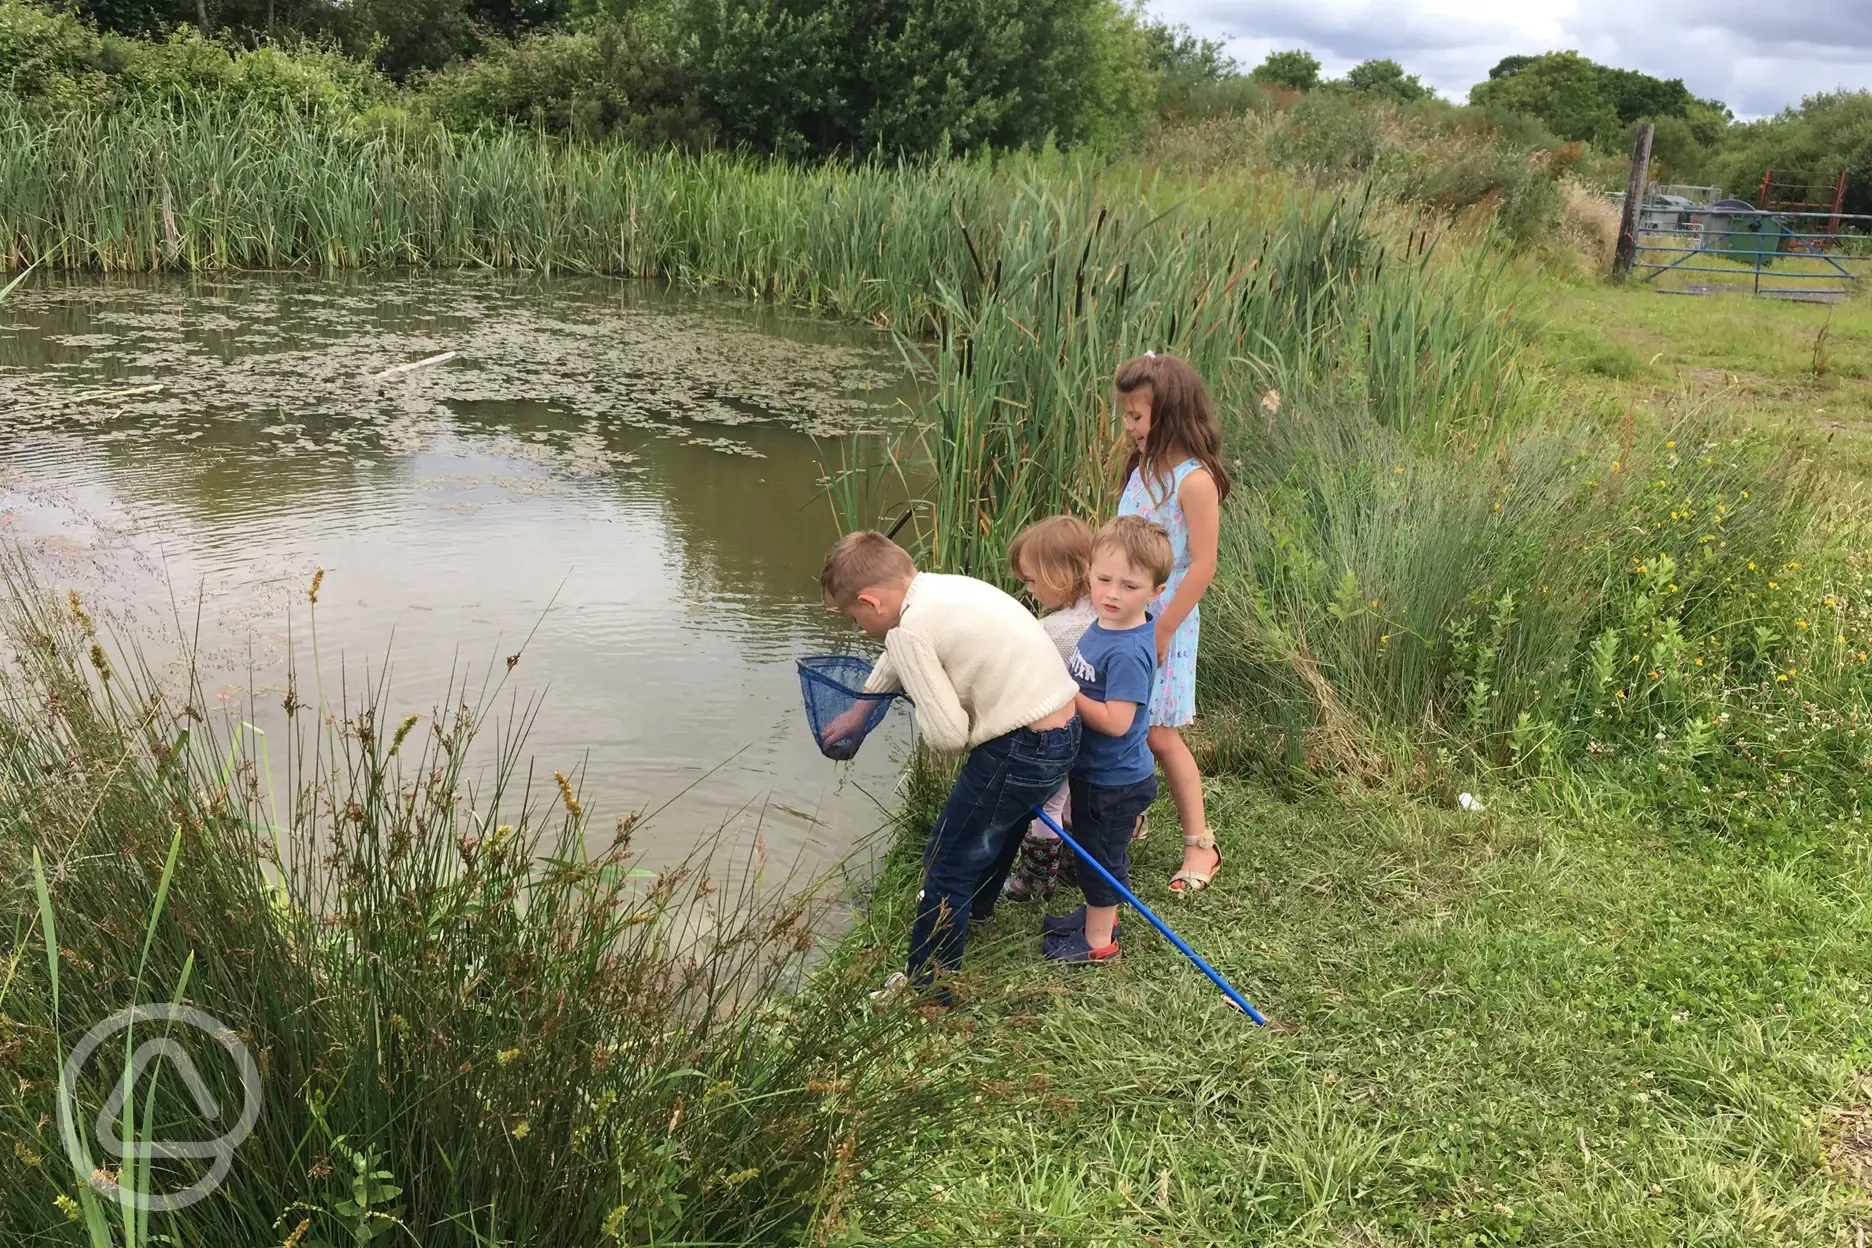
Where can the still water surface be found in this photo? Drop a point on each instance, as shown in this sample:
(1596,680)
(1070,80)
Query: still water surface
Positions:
(616,482)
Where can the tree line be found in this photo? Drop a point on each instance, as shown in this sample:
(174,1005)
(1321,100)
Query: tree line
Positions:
(813,78)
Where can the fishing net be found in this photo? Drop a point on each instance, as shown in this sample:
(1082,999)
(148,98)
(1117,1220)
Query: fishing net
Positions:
(836,703)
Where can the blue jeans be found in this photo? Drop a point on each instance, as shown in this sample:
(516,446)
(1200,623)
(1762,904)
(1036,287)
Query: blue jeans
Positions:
(977,836)
(1103,816)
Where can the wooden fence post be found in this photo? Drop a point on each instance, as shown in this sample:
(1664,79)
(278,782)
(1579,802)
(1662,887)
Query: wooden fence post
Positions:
(1634,204)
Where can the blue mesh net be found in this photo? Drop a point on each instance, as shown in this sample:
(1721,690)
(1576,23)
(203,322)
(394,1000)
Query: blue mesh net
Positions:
(833,686)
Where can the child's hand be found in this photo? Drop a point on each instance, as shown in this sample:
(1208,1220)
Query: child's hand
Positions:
(845,725)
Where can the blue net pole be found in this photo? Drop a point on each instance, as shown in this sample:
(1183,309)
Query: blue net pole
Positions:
(1240,1002)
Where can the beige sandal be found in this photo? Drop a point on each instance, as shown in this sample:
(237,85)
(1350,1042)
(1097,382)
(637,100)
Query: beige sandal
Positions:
(1188,881)
(1141,828)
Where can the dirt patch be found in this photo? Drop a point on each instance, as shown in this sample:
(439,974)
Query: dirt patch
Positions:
(1847,1137)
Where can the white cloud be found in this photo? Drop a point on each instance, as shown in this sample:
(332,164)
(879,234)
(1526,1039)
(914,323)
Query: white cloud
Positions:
(1756,57)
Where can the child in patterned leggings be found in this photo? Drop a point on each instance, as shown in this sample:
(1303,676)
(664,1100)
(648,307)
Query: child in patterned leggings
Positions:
(1052,557)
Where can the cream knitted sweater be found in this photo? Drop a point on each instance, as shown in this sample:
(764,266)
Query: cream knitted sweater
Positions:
(974,661)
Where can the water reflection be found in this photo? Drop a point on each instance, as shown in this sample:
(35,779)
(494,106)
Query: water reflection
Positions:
(623,479)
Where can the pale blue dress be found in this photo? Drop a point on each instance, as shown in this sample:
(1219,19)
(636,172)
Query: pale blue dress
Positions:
(1173,699)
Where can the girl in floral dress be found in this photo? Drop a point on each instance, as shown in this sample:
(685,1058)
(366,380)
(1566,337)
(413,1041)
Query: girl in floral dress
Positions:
(1175,478)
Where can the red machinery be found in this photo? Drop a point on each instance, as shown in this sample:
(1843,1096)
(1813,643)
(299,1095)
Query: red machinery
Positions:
(1780,192)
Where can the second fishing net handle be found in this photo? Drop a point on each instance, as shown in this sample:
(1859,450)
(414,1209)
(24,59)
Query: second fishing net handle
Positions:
(1228,990)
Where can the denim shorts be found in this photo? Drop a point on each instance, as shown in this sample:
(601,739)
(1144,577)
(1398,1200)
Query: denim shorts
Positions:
(1103,816)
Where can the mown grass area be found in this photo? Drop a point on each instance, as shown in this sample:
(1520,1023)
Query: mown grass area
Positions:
(1804,365)
(1496,1028)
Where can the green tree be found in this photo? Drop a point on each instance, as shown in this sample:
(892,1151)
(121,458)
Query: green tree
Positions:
(1708,120)
(410,35)
(813,77)
(1635,95)
(1562,89)
(1828,134)
(1385,79)
(1510,64)
(1296,70)
(1194,75)
(1676,152)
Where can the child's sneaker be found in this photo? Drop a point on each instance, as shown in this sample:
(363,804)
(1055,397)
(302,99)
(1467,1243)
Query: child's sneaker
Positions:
(1072,947)
(1038,872)
(1054,924)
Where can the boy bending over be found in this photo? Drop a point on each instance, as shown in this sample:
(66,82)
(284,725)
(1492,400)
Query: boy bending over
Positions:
(984,678)
(1115,779)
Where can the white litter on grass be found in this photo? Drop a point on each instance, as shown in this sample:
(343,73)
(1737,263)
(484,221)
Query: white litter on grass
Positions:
(1468,802)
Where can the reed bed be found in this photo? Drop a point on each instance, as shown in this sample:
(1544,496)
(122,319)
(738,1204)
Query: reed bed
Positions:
(470,1027)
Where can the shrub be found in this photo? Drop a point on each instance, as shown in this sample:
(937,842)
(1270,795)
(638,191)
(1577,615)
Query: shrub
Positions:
(1672,603)
(609,80)
(1328,132)
(55,58)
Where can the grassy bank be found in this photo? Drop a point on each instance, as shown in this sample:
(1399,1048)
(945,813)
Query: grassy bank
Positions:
(1499,1028)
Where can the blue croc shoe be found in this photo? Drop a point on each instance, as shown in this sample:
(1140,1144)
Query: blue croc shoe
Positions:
(1072,947)
(1054,924)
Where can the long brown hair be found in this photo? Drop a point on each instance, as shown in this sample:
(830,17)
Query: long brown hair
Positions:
(1182,418)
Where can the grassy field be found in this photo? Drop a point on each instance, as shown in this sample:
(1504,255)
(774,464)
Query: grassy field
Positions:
(1800,364)
(1496,1028)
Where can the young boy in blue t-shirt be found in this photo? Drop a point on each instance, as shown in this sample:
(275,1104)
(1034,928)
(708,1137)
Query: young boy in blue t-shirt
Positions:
(1114,779)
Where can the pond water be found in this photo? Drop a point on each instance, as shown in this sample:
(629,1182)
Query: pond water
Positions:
(617,483)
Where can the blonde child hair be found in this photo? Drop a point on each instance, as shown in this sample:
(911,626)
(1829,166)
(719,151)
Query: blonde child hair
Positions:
(861,561)
(1143,544)
(1055,554)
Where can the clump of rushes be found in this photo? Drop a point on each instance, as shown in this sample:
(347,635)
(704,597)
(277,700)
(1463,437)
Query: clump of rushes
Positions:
(514,1035)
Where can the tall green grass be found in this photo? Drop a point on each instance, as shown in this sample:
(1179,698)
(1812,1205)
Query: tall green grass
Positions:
(1294,301)
(476,1020)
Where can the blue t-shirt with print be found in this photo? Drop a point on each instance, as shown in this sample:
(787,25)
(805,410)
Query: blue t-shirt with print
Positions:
(1116,665)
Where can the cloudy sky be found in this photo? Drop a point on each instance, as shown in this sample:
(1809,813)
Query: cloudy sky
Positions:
(1755,55)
